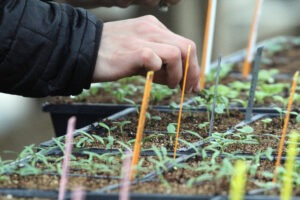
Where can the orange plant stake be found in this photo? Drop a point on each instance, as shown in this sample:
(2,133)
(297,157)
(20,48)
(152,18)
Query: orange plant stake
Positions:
(252,39)
(208,40)
(141,124)
(181,99)
(286,121)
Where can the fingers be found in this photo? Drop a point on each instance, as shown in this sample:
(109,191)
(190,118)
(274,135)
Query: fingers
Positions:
(194,69)
(150,29)
(170,72)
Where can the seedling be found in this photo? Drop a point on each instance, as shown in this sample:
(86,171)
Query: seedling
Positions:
(103,125)
(203,126)
(266,121)
(171,128)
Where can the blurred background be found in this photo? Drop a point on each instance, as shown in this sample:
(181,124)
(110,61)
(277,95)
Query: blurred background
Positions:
(22,121)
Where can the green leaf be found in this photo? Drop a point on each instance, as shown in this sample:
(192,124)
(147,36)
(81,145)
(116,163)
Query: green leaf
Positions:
(298,118)
(171,128)
(246,129)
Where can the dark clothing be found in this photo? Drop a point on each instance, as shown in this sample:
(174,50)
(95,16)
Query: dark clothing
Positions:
(46,48)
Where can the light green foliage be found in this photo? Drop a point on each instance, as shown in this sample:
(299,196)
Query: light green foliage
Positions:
(103,125)
(203,125)
(161,92)
(225,91)
(267,76)
(239,86)
(245,129)
(266,121)
(171,129)
(298,118)
(274,88)
(224,71)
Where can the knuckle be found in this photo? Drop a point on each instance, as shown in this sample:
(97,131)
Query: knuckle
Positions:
(151,18)
(146,55)
(193,46)
(174,53)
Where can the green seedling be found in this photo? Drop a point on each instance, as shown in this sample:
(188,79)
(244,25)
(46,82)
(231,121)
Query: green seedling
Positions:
(245,129)
(204,126)
(266,121)
(103,125)
(267,75)
(161,92)
(121,125)
(171,130)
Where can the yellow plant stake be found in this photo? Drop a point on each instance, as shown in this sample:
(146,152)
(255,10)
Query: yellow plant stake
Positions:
(252,38)
(286,121)
(141,124)
(238,181)
(181,99)
(286,190)
(208,40)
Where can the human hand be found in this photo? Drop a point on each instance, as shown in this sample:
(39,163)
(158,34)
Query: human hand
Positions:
(135,46)
(119,3)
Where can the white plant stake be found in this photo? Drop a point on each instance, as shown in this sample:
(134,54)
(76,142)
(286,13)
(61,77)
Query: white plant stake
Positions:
(125,182)
(257,62)
(208,40)
(65,166)
(78,194)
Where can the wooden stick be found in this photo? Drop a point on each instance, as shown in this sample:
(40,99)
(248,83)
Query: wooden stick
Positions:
(286,190)
(286,122)
(252,38)
(238,181)
(141,124)
(208,40)
(67,156)
(182,98)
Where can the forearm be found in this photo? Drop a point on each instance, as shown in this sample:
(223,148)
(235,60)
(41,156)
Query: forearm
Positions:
(46,48)
(84,3)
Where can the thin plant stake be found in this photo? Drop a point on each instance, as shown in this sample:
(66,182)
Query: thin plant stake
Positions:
(181,99)
(286,190)
(141,124)
(253,84)
(286,122)
(208,40)
(252,38)
(78,194)
(125,182)
(238,181)
(212,118)
(67,155)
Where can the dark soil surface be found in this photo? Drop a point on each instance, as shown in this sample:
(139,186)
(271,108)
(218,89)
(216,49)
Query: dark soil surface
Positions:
(156,132)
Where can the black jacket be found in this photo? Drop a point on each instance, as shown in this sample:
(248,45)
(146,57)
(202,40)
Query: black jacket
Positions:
(46,48)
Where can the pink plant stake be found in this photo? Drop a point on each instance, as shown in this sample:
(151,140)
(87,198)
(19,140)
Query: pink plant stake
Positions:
(66,161)
(125,182)
(78,194)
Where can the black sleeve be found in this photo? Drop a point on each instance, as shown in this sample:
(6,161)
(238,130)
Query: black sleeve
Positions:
(46,48)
